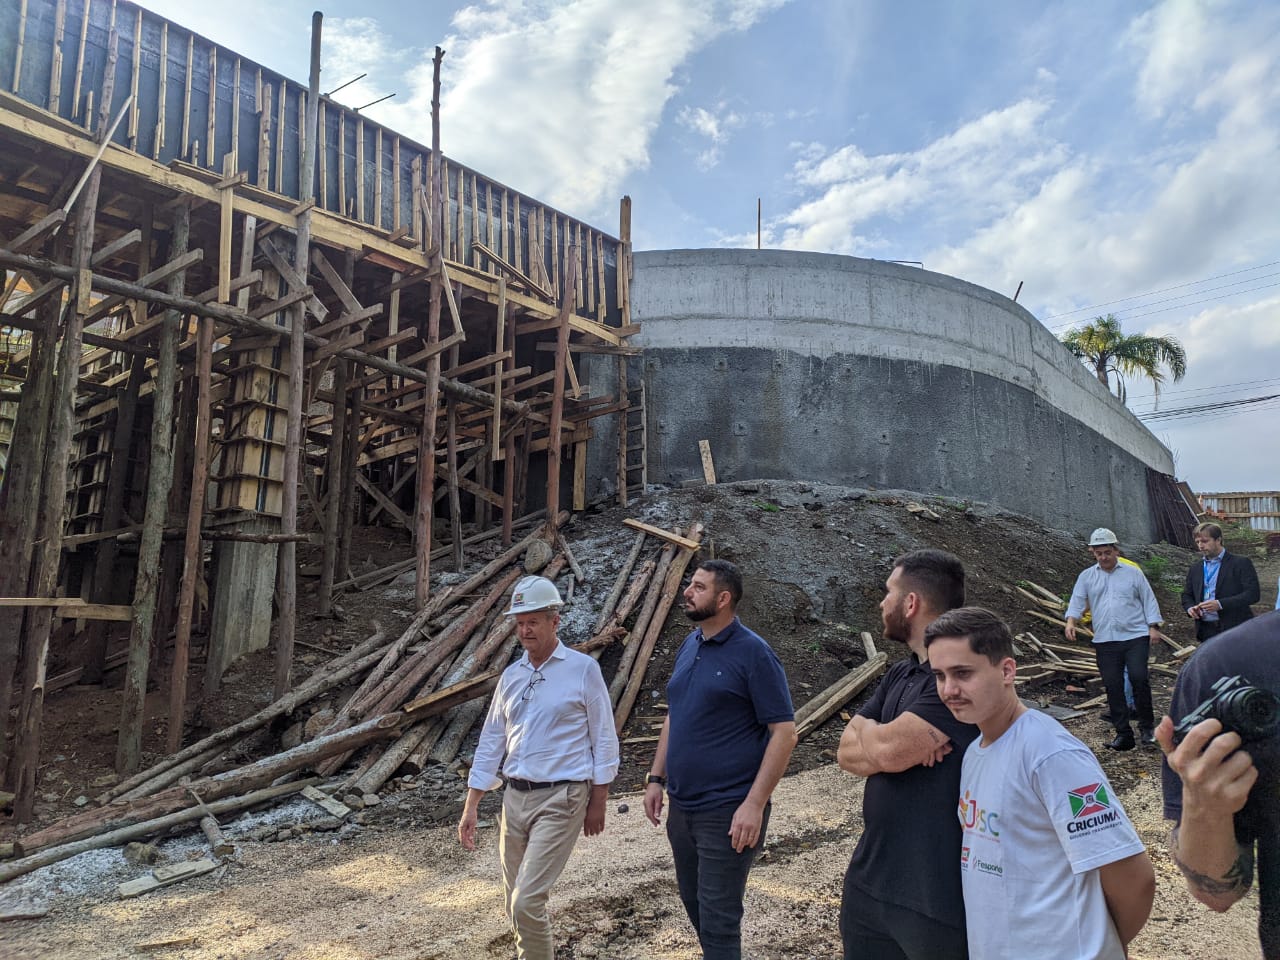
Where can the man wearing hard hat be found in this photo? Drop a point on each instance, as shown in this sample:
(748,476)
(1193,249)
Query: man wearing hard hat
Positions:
(1126,618)
(552,720)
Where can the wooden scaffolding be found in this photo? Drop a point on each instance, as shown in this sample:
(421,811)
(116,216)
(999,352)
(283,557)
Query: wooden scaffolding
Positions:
(218,329)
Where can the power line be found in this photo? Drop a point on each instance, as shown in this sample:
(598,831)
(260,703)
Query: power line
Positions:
(1152,293)
(1202,418)
(1186,392)
(1178,412)
(1215,415)
(1177,306)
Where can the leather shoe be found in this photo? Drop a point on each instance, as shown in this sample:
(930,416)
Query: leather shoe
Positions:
(1123,741)
(1147,737)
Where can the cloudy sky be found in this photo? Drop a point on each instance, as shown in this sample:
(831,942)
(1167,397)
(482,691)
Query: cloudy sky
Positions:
(1109,157)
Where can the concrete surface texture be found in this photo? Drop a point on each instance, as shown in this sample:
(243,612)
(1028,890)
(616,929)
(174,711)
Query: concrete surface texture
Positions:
(868,373)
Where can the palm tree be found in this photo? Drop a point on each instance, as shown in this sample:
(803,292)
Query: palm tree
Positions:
(1106,350)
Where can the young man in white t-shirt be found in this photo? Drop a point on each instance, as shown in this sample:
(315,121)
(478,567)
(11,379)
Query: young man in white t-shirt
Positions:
(1051,866)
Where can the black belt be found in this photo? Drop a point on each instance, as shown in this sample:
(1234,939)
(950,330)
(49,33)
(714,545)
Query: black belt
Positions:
(524,786)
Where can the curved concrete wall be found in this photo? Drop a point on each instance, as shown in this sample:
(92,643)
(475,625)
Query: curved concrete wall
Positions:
(862,372)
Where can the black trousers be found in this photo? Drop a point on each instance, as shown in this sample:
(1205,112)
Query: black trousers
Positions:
(1113,658)
(873,930)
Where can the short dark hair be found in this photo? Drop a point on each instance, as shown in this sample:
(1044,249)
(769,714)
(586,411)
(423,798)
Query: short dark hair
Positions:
(987,634)
(1212,529)
(727,576)
(936,575)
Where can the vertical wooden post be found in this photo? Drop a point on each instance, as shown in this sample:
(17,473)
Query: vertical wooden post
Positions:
(159,481)
(425,511)
(19,499)
(95,654)
(509,443)
(49,520)
(191,561)
(580,476)
(557,391)
(333,508)
(347,521)
(287,562)
(451,454)
(624,414)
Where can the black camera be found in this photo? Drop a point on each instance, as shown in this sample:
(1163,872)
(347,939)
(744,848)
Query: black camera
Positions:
(1251,712)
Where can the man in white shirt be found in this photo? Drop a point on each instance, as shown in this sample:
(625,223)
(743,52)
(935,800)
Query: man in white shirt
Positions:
(552,719)
(1126,618)
(1050,865)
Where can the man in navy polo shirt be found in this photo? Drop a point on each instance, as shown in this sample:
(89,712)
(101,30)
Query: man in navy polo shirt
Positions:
(729,733)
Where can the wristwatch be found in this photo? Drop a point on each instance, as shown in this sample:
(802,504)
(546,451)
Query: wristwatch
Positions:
(655,778)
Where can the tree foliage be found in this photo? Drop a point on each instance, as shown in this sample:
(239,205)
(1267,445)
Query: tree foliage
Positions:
(1107,350)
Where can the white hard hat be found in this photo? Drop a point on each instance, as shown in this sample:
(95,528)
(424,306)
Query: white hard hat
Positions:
(1102,537)
(534,593)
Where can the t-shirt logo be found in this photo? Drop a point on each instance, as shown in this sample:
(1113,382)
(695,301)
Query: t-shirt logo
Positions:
(1088,800)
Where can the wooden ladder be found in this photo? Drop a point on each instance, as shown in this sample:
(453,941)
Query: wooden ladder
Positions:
(633,439)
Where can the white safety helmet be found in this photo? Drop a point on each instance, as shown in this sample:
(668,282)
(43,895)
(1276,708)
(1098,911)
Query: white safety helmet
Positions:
(1102,537)
(534,593)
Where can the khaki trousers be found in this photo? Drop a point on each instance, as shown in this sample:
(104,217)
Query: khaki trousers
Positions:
(538,831)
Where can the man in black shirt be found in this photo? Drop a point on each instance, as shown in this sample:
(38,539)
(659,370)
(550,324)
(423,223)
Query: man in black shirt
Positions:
(1225,799)
(902,898)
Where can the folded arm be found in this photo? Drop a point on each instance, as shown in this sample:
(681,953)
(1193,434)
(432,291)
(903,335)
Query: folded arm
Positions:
(868,747)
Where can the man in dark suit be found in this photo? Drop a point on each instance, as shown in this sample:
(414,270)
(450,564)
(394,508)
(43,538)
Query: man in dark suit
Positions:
(1219,588)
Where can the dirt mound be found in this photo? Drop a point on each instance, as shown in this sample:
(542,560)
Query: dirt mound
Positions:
(814,558)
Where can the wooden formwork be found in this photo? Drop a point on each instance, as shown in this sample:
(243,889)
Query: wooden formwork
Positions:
(160,241)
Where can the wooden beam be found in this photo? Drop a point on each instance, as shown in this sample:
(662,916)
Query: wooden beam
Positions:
(661,534)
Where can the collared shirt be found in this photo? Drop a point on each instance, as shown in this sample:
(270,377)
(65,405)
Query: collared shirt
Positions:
(724,693)
(559,727)
(1211,570)
(1122,602)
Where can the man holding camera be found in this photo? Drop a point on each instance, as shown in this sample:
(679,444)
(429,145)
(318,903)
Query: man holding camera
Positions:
(1222,781)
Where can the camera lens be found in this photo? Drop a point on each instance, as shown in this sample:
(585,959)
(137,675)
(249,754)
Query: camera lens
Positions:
(1251,712)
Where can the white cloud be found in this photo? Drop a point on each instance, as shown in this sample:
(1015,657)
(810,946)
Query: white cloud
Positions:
(982,167)
(562,99)
(715,125)
(1177,39)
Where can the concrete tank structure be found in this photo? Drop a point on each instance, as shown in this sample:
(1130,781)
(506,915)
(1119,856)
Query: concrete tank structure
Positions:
(874,374)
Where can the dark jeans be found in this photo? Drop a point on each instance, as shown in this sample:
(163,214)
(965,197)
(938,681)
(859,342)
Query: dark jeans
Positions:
(872,930)
(1113,659)
(712,876)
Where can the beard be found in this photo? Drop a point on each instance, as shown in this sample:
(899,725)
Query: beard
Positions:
(895,625)
(698,614)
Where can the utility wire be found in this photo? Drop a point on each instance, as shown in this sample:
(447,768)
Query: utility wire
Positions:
(1177,412)
(1188,392)
(1191,303)
(1152,293)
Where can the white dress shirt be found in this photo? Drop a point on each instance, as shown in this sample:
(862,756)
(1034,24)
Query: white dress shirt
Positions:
(1122,602)
(553,723)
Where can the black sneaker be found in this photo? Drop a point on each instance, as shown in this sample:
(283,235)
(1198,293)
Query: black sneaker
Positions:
(1147,737)
(1123,741)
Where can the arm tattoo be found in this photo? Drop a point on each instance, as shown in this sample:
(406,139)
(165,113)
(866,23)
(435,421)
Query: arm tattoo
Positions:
(936,737)
(1234,883)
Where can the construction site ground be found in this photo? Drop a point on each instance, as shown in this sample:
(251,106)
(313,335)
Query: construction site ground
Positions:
(392,882)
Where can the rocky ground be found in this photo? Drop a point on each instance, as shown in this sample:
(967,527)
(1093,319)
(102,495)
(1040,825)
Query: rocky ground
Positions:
(392,882)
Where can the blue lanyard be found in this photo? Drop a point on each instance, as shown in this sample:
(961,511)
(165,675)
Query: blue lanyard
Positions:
(1211,583)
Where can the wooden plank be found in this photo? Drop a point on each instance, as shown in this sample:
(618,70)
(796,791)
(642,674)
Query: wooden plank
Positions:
(661,534)
(166,876)
(326,803)
(73,608)
(225,226)
(383,501)
(708,466)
